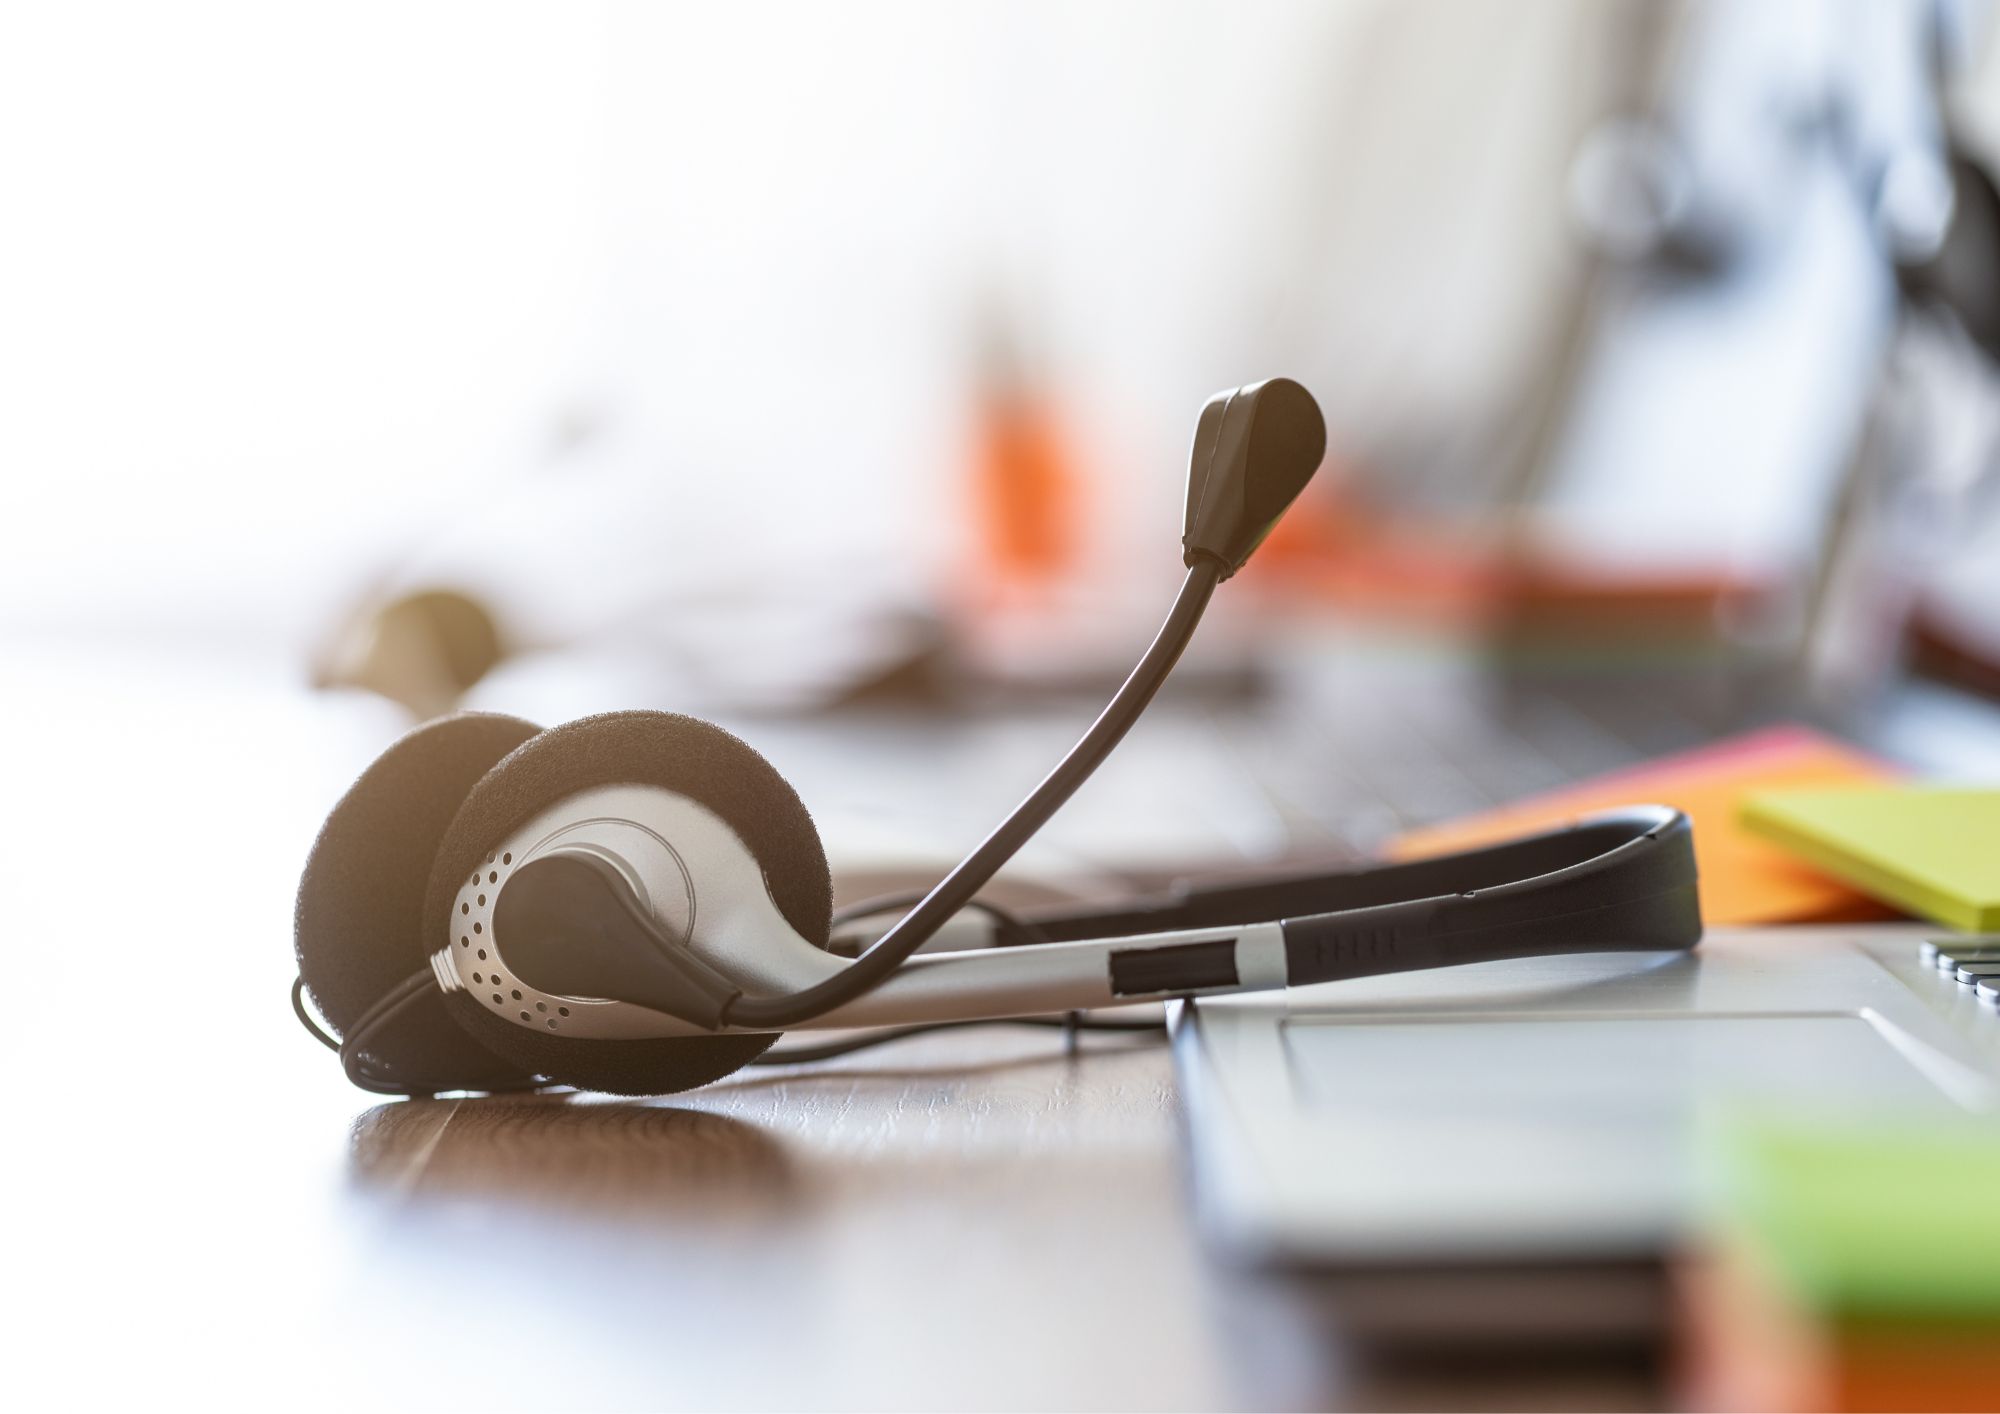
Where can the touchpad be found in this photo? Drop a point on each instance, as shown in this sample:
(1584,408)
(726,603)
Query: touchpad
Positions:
(1575,1126)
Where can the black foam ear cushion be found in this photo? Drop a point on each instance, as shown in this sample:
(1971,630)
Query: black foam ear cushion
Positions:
(358,924)
(700,761)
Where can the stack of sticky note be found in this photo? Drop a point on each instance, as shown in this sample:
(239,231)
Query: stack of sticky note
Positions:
(1929,850)
(1854,1266)
(1745,879)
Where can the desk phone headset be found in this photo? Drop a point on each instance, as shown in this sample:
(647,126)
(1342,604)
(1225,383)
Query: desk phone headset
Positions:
(637,903)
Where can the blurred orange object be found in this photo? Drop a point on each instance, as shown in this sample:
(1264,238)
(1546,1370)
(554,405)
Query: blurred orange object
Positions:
(1746,1345)
(1502,577)
(1026,491)
(1744,880)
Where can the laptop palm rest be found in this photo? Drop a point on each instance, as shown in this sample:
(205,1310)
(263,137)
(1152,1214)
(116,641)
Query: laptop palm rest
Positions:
(1550,1109)
(1571,1128)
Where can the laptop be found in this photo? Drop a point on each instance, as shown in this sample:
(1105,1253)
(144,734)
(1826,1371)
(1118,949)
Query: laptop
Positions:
(1549,1110)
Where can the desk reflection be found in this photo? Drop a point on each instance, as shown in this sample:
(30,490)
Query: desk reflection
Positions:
(589,1157)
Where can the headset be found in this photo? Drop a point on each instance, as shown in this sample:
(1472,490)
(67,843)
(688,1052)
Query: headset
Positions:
(637,903)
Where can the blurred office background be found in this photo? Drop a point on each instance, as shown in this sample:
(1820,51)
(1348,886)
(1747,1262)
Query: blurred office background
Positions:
(829,371)
(758,359)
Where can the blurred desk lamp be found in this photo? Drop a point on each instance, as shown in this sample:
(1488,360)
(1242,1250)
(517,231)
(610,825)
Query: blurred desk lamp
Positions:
(423,650)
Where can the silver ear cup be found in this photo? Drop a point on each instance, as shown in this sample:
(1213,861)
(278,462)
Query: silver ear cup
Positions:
(529,801)
(660,843)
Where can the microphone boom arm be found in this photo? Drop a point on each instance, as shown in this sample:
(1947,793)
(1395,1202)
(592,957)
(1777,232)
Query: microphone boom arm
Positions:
(973,873)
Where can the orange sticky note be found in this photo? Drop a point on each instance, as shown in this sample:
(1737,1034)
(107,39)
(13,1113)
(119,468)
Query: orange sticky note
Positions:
(1744,880)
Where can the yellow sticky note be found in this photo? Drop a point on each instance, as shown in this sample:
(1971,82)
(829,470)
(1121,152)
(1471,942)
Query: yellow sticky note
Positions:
(1930,850)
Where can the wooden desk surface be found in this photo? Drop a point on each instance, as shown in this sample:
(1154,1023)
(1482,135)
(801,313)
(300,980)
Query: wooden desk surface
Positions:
(981,1222)
(201,1208)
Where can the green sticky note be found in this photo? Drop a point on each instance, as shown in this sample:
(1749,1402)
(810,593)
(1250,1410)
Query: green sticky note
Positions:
(1868,1219)
(1930,850)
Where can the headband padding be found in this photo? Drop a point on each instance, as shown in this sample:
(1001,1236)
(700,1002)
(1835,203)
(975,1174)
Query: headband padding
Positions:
(358,924)
(676,753)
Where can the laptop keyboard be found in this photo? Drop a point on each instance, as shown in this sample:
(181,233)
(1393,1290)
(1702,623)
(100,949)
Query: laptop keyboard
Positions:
(1365,761)
(1973,963)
